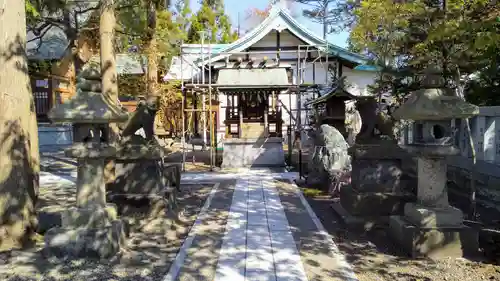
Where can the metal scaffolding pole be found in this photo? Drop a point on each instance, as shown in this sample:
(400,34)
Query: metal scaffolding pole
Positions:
(183,134)
(203,97)
(299,110)
(210,114)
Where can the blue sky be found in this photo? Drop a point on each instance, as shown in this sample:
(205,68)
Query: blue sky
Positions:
(233,7)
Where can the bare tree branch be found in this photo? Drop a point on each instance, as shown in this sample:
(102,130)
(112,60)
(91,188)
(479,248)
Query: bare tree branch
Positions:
(40,35)
(88,9)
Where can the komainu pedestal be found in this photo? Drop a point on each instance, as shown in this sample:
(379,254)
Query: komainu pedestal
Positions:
(144,185)
(378,186)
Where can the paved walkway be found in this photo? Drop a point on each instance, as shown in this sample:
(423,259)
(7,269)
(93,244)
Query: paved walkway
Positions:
(257,226)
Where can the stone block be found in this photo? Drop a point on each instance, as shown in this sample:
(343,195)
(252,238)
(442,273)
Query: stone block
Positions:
(90,217)
(148,206)
(431,218)
(172,175)
(48,219)
(101,242)
(380,167)
(258,152)
(138,176)
(357,223)
(433,242)
(376,175)
(373,203)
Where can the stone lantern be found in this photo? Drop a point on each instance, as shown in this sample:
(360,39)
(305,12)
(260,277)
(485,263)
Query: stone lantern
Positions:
(91,227)
(430,226)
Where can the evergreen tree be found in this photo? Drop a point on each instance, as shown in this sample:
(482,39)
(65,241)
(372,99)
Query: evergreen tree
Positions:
(319,11)
(406,37)
(211,19)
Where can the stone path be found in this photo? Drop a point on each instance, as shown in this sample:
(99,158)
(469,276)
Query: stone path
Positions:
(269,249)
(255,225)
(260,227)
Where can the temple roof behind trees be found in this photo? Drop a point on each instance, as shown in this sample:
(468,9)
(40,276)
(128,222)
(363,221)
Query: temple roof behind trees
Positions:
(279,19)
(53,43)
(328,92)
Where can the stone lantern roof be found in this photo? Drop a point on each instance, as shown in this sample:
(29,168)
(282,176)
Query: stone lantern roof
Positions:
(434,102)
(89,105)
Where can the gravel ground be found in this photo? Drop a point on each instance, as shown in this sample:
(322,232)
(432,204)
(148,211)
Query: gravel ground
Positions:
(151,246)
(374,257)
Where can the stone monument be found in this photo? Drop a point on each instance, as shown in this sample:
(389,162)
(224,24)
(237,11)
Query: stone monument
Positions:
(328,158)
(430,226)
(144,184)
(377,187)
(91,228)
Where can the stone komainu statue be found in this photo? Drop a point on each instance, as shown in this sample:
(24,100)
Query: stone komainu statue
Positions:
(143,117)
(375,122)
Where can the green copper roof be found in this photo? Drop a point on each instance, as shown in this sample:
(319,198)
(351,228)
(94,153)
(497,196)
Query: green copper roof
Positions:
(280,19)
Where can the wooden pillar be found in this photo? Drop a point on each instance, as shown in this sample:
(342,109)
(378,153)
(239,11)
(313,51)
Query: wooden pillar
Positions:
(184,113)
(240,114)
(195,112)
(266,115)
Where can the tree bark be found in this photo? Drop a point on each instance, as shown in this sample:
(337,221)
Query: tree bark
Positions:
(19,157)
(108,62)
(152,53)
(152,50)
(109,73)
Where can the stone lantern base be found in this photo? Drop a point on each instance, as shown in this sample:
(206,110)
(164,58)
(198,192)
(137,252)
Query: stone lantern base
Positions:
(432,227)
(92,227)
(448,241)
(90,232)
(380,185)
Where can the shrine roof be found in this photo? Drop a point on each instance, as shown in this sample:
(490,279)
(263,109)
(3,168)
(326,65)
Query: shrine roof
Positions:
(253,77)
(279,19)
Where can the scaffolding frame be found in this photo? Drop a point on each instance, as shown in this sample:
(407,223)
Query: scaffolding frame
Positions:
(298,88)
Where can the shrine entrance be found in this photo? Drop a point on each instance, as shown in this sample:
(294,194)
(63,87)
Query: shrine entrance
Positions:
(253,107)
(253,114)
(253,118)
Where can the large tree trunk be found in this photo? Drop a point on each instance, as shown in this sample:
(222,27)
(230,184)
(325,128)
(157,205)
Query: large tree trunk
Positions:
(108,62)
(150,44)
(19,157)
(152,49)
(108,69)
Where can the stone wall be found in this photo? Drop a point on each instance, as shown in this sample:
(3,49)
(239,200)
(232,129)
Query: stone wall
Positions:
(54,137)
